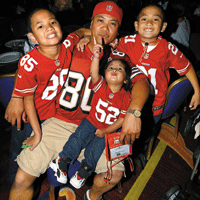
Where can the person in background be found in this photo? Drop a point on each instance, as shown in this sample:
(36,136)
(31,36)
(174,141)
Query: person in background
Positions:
(178,24)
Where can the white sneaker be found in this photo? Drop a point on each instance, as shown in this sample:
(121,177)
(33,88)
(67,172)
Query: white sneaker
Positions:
(77,181)
(59,174)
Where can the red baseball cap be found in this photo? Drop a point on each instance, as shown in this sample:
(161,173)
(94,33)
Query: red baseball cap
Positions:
(110,8)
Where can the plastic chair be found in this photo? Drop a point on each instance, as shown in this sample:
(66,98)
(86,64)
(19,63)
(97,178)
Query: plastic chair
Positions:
(177,93)
(6,88)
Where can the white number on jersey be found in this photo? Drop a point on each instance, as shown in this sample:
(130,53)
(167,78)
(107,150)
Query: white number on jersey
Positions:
(70,97)
(104,117)
(30,62)
(130,38)
(173,48)
(152,73)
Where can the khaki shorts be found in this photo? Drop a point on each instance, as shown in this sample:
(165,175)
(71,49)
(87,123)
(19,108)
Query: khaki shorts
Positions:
(55,134)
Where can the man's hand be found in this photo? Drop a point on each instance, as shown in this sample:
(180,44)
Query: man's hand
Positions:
(14,112)
(131,128)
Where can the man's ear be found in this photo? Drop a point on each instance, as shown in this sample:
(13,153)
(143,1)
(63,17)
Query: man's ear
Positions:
(164,26)
(91,24)
(32,37)
(136,25)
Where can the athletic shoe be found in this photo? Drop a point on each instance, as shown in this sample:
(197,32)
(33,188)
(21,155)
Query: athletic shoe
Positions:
(59,174)
(77,181)
(86,196)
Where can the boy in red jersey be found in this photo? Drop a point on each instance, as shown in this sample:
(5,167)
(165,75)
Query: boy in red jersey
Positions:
(39,70)
(154,56)
(109,104)
(38,80)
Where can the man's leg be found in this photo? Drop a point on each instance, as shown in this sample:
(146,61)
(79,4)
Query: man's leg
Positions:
(22,188)
(99,186)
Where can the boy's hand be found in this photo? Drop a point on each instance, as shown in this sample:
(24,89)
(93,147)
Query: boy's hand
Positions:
(32,141)
(14,112)
(100,133)
(83,42)
(195,101)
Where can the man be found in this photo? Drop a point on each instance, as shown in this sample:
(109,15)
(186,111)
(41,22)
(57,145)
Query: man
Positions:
(73,104)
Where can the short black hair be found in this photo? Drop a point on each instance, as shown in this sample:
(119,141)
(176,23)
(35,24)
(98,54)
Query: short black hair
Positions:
(154,5)
(30,14)
(127,85)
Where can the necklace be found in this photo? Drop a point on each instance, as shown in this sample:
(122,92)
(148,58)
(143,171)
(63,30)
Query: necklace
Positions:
(146,44)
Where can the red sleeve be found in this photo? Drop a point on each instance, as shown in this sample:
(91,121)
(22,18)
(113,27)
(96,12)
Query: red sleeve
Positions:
(26,81)
(137,74)
(71,41)
(177,60)
(97,85)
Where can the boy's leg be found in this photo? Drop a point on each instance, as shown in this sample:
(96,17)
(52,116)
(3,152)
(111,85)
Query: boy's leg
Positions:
(55,134)
(22,188)
(93,152)
(33,163)
(78,140)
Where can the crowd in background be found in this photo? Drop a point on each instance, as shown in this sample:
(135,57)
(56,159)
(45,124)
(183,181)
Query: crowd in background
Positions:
(73,14)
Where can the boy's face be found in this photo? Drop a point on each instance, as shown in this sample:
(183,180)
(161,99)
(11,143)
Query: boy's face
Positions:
(45,29)
(149,24)
(106,26)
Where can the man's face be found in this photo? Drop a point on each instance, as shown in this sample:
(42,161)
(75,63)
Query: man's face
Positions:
(104,26)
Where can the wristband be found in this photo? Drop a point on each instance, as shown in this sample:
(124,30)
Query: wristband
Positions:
(17,97)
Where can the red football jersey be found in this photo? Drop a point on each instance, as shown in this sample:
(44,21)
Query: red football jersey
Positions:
(74,102)
(43,76)
(107,107)
(155,63)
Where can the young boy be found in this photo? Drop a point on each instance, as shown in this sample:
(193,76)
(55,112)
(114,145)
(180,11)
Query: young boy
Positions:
(40,75)
(110,101)
(154,56)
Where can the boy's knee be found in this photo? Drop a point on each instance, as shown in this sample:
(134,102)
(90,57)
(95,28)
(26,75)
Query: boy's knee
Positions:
(23,179)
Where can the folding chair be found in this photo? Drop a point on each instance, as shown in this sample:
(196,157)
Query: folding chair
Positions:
(177,93)
(6,88)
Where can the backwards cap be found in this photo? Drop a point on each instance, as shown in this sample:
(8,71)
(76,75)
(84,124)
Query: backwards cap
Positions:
(110,8)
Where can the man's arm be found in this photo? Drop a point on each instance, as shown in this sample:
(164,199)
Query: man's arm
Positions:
(131,126)
(83,32)
(15,108)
